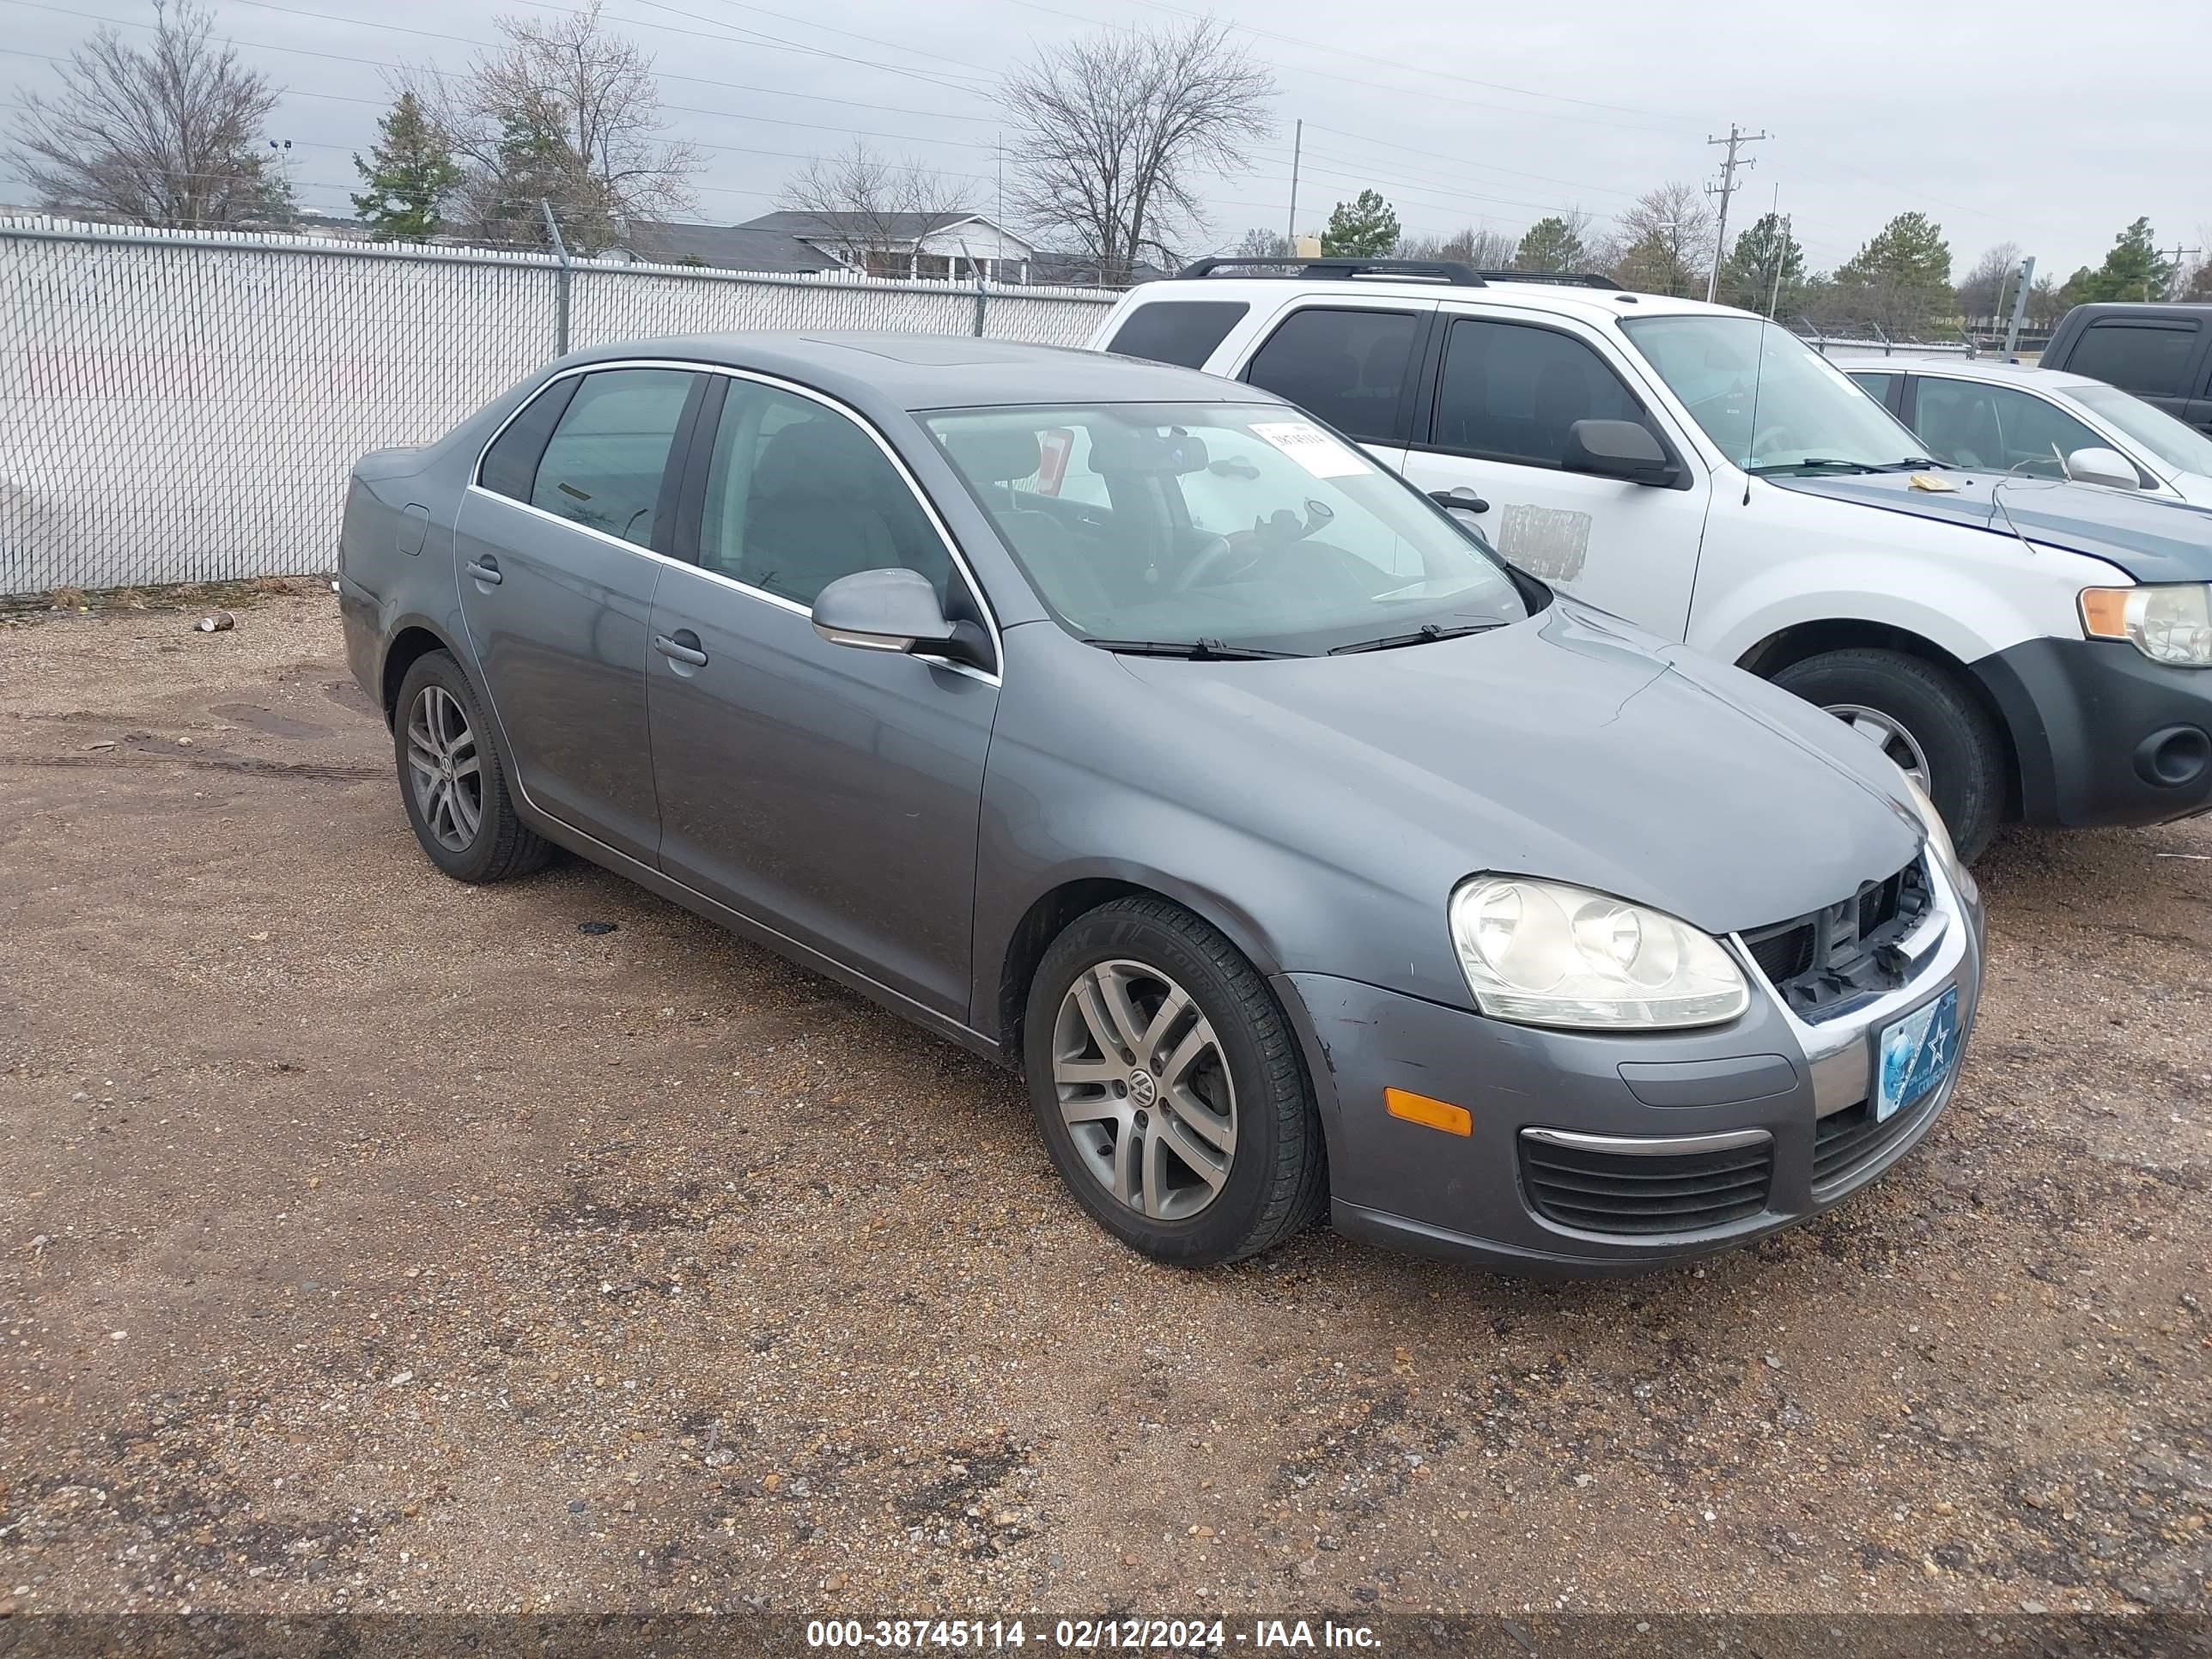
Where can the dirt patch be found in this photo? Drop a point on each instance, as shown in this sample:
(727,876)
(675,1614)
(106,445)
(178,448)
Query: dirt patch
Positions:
(375,1241)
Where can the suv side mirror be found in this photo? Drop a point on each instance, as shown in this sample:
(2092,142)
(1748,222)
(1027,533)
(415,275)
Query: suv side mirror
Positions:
(2100,465)
(894,610)
(1616,449)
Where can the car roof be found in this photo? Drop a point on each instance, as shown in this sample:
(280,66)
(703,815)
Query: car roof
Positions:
(1965,368)
(877,371)
(1564,298)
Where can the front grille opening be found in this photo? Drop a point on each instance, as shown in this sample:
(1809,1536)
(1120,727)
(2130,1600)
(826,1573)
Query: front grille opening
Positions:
(1845,954)
(1845,1142)
(1612,1193)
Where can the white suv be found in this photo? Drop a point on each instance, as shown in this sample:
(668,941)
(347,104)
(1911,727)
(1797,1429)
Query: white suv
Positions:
(2026,647)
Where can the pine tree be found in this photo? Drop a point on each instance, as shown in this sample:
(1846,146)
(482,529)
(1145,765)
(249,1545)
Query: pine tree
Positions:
(1552,244)
(1365,229)
(1760,255)
(1900,282)
(410,173)
(2132,270)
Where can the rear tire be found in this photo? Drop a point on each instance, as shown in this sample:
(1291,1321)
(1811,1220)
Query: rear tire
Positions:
(1919,710)
(1152,1047)
(453,778)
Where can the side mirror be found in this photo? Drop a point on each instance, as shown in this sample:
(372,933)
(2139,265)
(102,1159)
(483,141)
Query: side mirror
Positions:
(1616,449)
(2100,465)
(897,610)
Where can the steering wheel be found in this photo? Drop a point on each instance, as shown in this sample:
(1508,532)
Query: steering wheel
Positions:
(1216,555)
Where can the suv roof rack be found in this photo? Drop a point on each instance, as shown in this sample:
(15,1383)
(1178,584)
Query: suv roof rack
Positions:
(1343,270)
(1563,278)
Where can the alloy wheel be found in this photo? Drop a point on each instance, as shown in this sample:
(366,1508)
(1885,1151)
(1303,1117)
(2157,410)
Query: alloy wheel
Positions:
(445,767)
(1145,1091)
(1887,734)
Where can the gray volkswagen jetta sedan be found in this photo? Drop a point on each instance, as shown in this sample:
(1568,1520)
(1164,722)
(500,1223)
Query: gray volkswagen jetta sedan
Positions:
(1125,724)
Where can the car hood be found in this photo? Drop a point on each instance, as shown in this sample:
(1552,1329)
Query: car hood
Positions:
(1570,746)
(2153,540)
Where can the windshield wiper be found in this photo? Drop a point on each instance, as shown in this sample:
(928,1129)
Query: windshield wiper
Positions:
(1823,462)
(1421,636)
(1199,650)
(1916,464)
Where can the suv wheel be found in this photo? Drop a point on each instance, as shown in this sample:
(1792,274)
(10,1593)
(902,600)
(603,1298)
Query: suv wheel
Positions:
(453,778)
(1923,719)
(1169,1087)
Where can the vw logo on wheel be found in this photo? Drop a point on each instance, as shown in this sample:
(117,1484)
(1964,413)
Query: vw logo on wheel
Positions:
(1143,1092)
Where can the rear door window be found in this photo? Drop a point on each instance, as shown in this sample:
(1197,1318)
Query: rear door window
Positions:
(1179,331)
(2149,359)
(1349,367)
(603,467)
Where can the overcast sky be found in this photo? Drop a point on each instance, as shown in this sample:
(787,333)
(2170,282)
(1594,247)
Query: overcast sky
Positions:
(2037,123)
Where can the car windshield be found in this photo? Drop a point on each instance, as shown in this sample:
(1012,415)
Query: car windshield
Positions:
(2173,442)
(1220,529)
(1769,401)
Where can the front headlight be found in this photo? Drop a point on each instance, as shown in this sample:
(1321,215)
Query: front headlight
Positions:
(2168,622)
(1545,953)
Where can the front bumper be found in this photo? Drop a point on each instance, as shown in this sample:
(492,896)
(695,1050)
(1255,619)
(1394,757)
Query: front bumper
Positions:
(1661,1101)
(2104,735)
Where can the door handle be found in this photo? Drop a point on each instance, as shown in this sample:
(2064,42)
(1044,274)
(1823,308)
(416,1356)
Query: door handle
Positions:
(682,647)
(1461,498)
(486,570)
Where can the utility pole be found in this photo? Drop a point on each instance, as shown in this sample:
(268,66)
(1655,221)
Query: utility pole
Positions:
(2020,309)
(2179,253)
(1735,140)
(1297,150)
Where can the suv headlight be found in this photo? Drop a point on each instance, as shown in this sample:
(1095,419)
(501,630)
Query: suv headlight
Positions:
(1545,953)
(2168,622)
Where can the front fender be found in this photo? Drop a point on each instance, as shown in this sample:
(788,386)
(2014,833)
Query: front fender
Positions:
(1788,560)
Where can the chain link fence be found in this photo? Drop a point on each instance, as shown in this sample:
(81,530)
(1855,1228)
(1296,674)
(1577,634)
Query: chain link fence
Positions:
(184,406)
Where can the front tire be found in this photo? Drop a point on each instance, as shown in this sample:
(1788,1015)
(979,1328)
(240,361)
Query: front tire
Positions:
(453,778)
(1169,1087)
(1926,720)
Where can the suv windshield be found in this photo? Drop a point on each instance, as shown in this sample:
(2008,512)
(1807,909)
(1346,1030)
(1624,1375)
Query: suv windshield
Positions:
(2173,442)
(1811,417)
(1220,529)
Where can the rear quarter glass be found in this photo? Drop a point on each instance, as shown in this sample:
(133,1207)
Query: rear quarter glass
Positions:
(1183,332)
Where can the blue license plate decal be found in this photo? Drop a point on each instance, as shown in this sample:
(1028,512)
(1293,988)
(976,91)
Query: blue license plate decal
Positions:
(1918,1052)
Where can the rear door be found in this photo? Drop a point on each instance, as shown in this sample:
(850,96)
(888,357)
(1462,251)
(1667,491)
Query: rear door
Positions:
(828,792)
(1506,393)
(555,542)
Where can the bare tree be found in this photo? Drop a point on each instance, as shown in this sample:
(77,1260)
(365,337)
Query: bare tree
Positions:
(1478,246)
(1118,132)
(564,111)
(1664,242)
(868,211)
(1986,292)
(168,136)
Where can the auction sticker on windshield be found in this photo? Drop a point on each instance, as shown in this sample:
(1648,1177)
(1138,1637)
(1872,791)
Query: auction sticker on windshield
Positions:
(1918,1052)
(1312,448)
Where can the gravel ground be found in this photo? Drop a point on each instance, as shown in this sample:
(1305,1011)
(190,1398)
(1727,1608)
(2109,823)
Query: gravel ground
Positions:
(372,1240)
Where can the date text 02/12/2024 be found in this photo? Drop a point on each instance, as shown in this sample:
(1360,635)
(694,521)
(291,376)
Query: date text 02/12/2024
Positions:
(1087,1635)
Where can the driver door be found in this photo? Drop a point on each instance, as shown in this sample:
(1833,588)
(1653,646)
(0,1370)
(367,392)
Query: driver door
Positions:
(829,794)
(1506,394)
